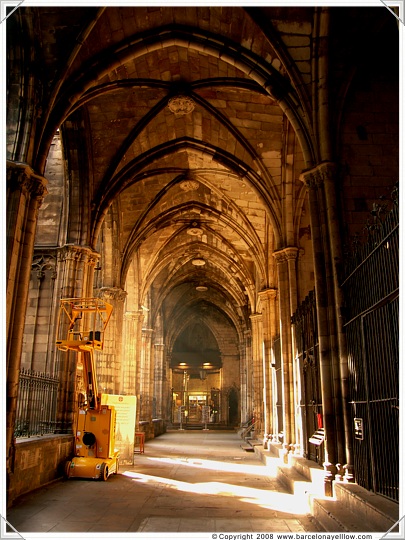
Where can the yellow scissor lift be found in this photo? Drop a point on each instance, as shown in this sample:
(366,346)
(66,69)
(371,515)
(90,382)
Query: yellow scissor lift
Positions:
(81,327)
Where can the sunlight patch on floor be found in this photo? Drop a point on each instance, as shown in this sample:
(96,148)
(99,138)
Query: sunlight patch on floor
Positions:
(219,466)
(272,500)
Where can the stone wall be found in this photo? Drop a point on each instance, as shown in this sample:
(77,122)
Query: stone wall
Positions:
(38,461)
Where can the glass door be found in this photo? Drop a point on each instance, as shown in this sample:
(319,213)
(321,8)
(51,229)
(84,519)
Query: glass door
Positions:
(195,404)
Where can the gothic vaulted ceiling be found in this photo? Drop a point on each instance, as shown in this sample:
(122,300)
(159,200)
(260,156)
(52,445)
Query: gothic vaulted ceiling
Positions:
(185,129)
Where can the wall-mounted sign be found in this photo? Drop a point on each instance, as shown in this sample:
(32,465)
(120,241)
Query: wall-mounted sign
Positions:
(358,429)
(125,407)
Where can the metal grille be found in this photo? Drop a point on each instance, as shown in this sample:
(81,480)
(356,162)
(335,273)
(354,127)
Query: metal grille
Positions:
(307,362)
(278,426)
(372,330)
(36,404)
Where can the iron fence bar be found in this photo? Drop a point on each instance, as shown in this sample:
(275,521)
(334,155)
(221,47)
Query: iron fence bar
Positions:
(384,301)
(368,412)
(369,255)
(36,403)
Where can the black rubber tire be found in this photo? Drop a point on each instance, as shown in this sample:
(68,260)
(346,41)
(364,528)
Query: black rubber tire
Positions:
(103,472)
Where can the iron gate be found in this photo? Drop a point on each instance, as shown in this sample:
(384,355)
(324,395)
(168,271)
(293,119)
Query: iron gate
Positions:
(371,290)
(307,363)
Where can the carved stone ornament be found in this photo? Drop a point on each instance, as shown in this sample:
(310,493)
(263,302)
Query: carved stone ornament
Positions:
(189,185)
(181,105)
(112,294)
(194,230)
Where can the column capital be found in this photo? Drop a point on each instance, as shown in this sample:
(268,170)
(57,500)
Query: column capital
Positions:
(77,253)
(133,315)
(112,293)
(291,253)
(147,332)
(268,294)
(317,176)
(286,254)
(271,292)
(22,176)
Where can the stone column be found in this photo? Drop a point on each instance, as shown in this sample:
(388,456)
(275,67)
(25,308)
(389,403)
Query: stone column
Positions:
(138,363)
(324,286)
(257,355)
(146,379)
(169,405)
(287,280)
(267,300)
(25,193)
(320,182)
(243,388)
(160,376)
(247,377)
(159,379)
(75,274)
(131,352)
(109,361)
(76,271)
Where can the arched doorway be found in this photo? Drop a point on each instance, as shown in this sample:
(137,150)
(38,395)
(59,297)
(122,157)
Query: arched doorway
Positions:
(196,376)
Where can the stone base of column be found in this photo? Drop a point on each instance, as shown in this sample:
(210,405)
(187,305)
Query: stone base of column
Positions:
(330,473)
(349,473)
(285,452)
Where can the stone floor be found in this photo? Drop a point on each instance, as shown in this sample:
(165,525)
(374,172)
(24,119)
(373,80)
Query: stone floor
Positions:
(185,482)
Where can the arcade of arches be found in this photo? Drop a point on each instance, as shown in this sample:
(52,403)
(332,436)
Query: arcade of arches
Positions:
(203,169)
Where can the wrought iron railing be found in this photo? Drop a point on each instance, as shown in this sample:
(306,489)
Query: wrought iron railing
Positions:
(305,325)
(36,404)
(371,292)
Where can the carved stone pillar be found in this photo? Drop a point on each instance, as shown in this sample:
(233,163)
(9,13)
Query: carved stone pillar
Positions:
(287,280)
(160,379)
(257,355)
(268,304)
(247,377)
(109,361)
(76,269)
(146,378)
(320,182)
(75,273)
(25,193)
(131,352)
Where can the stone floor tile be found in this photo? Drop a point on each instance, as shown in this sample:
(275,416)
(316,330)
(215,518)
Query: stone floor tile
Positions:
(71,527)
(153,524)
(196,482)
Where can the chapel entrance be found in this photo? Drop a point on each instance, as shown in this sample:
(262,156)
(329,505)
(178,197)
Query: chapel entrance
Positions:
(197,372)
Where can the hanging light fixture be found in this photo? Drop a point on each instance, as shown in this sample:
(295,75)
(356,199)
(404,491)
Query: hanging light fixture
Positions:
(201,288)
(198,261)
